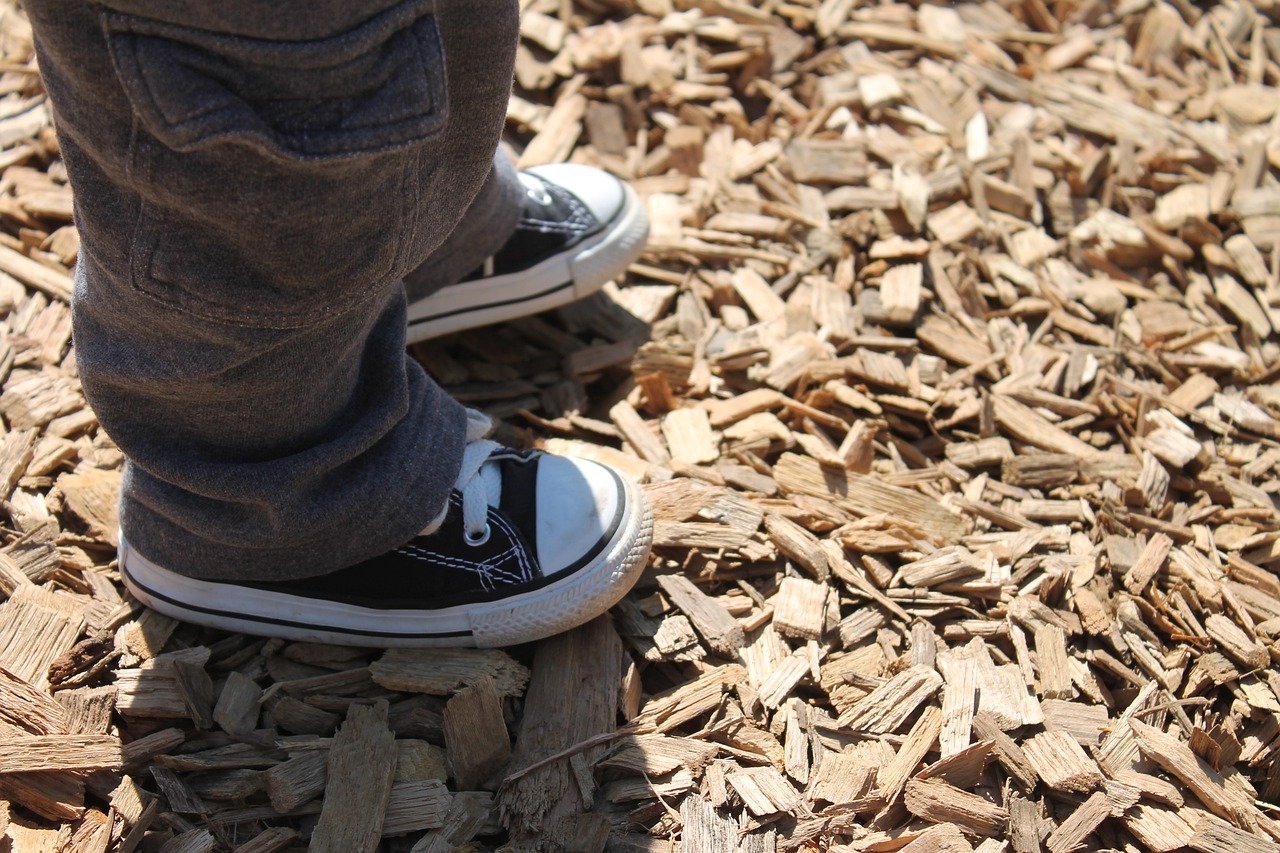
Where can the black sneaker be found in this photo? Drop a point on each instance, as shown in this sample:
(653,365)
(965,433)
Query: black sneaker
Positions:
(580,227)
(528,546)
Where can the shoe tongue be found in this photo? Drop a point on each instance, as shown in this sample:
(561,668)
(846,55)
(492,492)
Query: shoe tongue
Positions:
(552,209)
(551,218)
(519,500)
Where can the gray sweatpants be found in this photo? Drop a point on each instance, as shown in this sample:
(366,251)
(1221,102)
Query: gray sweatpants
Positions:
(253,182)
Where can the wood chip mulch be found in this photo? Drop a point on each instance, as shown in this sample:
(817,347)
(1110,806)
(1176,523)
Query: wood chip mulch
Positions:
(952,372)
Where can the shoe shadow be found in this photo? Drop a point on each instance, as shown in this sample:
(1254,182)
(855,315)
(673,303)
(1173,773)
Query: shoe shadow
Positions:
(554,365)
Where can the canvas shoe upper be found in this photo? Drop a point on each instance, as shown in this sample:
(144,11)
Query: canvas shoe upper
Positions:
(579,227)
(528,545)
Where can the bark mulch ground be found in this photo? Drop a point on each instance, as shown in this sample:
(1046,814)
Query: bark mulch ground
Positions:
(951,370)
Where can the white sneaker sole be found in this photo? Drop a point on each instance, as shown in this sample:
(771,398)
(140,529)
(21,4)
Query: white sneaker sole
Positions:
(559,280)
(521,618)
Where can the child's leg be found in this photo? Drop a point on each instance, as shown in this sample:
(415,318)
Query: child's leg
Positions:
(252,182)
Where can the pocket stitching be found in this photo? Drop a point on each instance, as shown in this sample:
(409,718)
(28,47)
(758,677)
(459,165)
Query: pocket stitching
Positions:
(340,143)
(180,297)
(181,294)
(430,119)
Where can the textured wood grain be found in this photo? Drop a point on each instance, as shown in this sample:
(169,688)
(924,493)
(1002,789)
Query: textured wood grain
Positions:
(475,735)
(441,672)
(579,668)
(1226,801)
(720,630)
(60,752)
(360,772)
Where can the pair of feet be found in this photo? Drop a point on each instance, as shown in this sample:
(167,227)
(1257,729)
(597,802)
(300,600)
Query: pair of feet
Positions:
(529,544)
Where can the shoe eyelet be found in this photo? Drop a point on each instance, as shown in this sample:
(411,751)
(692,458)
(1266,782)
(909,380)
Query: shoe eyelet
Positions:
(477,541)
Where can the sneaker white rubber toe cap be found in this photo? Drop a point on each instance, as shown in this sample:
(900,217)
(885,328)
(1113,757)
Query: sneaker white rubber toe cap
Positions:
(578,503)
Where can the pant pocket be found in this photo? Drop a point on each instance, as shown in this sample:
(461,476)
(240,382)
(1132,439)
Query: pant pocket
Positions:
(371,88)
(278,180)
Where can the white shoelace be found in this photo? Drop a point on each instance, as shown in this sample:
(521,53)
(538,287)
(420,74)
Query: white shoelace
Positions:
(479,481)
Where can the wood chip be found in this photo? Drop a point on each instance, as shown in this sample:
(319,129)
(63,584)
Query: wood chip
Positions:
(475,735)
(361,769)
(713,623)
